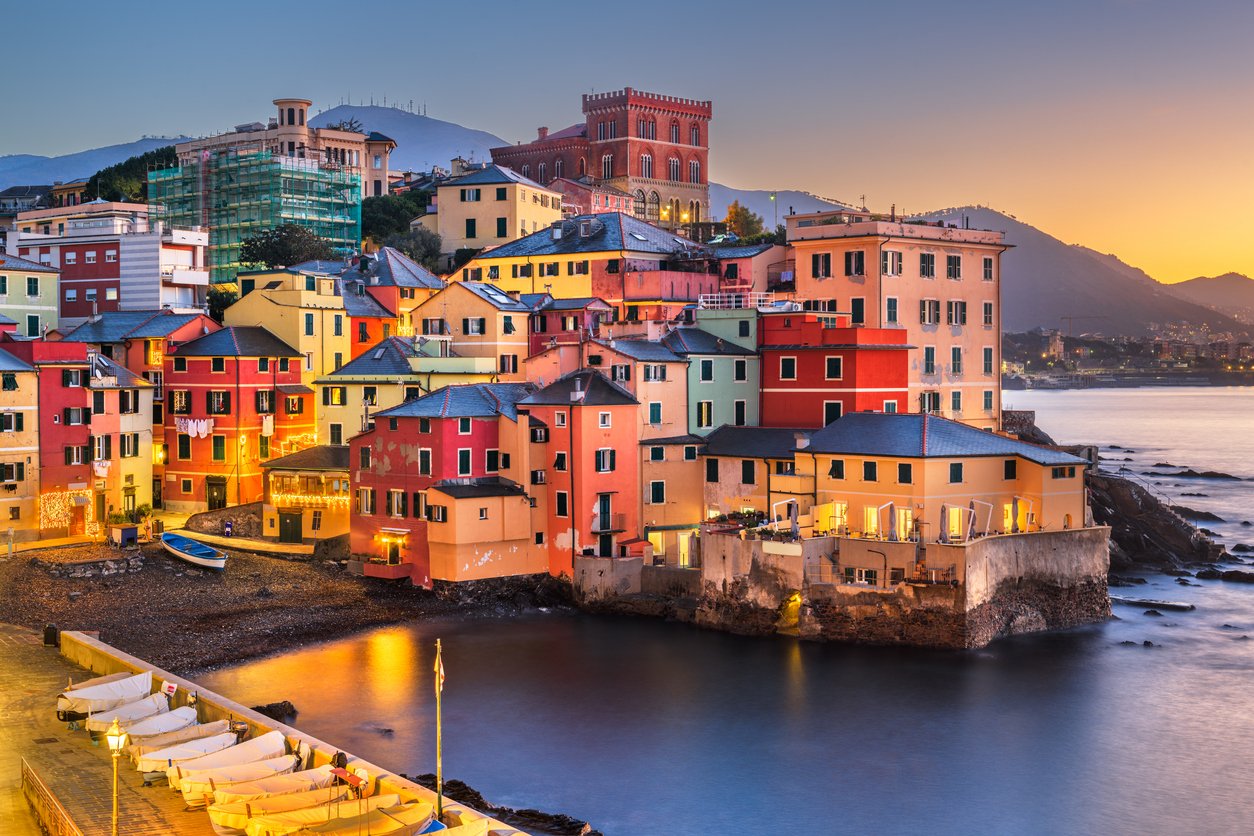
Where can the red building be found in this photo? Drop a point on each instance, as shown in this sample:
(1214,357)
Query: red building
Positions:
(585,196)
(234,399)
(651,146)
(816,368)
(67,504)
(453,434)
(564,320)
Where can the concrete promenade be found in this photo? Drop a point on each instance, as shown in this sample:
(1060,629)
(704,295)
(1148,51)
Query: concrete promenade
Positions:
(79,774)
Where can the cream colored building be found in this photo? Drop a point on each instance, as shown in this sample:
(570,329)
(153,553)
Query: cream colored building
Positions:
(19,448)
(487,208)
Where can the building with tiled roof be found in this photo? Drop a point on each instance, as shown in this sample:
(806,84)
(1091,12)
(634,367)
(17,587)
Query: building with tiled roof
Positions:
(29,291)
(238,341)
(477,319)
(306,495)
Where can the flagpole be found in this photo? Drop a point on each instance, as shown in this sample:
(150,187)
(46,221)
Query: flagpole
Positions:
(439,735)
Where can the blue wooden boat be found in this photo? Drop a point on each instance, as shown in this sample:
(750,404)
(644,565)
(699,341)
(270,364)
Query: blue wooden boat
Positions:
(184,548)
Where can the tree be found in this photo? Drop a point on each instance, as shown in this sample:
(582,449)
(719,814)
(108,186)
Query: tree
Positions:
(127,181)
(742,221)
(284,246)
(420,244)
(350,124)
(219,299)
(390,214)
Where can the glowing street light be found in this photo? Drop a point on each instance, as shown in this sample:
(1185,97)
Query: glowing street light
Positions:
(117,741)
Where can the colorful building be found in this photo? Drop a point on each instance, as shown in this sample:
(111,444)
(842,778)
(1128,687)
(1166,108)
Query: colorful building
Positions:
(28,295)
(19,447)
(585,196)
(564,320)
(937,282)
(478,319)
(653,147)
(723,385)
(307,495)
(671,496)
(816,368)
(487,208)
(234,399)
(751,470)
(396,282)
(121,438)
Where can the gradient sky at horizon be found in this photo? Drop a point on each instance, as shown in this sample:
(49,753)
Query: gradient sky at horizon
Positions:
(1100,122)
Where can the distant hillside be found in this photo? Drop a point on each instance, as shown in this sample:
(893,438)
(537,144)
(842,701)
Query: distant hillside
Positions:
(1044,280)
(1231,293)
(421,142)
(760,202)
(32,170)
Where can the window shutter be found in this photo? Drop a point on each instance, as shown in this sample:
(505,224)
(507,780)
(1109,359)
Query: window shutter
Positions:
(65,377)
(814,265)
(18,420)
(257,397)
(87,416)
(91,448)
(403,500)
(20,474)
(483,325)
(326,395)
(466,325)
(209,402)
(108,446)
(69,455)
(226,403)
(388,504)
(923,311)
(613,459)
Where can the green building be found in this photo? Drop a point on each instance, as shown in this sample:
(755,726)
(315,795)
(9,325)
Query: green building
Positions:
(236,194)
(723,385)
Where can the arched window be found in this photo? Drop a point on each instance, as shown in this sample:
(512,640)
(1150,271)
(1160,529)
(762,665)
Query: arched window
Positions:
(653,209)
(639,203)
(291,116)
(526,170)
(583,167)
(541,170)
(675,132)
(646,166)
(302,116)
(607,166)
(694,135)
(672,169)
(694,171)
(558,167)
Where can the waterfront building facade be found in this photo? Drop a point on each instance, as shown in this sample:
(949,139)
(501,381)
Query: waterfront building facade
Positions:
(28,296)
(121,439)
(478,319)
(556,321)
(307,496)
(19,447)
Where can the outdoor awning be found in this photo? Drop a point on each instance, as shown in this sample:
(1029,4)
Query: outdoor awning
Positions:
(294,389)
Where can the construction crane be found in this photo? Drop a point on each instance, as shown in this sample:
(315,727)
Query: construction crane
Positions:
(1070,320)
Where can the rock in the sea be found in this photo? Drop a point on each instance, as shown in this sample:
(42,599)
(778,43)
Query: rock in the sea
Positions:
(1246,523)
(1153,612)
(1148,643)
(1231,575)
(1194,514)
(1128,643)
(1242,548)
(1190,473)
(283,711)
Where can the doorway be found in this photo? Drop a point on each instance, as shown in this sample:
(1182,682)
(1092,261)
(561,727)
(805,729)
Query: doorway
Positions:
(215,492)
(290,527)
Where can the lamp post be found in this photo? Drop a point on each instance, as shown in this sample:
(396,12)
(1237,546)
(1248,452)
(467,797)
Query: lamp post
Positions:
(117,740)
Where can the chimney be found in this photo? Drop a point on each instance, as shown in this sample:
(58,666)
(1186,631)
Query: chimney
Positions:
(802,440)
(542,133)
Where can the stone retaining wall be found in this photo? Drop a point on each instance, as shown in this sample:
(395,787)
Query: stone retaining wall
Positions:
(245,521)
(103,568)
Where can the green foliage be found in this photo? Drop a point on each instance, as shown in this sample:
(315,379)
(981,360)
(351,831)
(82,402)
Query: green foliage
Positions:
(463,256)
(779,236)
(420,244)
(742,221)
(283,246)
(127,181)
(219,299)
(390,214)
(351,124)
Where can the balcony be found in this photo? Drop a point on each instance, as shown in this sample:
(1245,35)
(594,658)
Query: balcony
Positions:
(181,275)
(609,523)
(388,571)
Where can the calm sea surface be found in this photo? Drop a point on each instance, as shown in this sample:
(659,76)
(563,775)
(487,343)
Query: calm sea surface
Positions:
(645,727)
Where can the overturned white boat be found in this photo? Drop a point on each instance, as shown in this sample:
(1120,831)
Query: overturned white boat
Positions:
(280,824)
(99,680)
(164,723)
(127,713)
(198,787)
(231,819)
(293,782)
(398,820)
(162,759)
(78,703)
(269,745)
(146,744)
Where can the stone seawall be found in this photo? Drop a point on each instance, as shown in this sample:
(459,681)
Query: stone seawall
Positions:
(102,568)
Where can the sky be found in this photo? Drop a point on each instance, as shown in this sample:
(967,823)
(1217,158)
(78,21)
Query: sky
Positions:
(1123,125)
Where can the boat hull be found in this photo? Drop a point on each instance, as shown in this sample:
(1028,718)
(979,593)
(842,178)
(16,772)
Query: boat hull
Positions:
(208,557)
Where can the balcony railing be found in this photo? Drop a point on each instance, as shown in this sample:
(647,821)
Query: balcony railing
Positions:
(606,523)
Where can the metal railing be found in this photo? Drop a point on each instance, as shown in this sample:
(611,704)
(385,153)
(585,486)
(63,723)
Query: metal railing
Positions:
(733,301)
(48,810)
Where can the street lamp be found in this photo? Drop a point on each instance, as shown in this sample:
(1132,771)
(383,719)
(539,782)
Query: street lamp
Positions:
(117,740)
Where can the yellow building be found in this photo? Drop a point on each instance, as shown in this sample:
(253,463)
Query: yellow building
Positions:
(488,208)
(478,320)
(482,528)
(751,470)
(393,371)
(306,495)
(671,496)
(19,447)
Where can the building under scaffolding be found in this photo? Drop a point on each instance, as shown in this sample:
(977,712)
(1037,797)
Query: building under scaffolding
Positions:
(236,194)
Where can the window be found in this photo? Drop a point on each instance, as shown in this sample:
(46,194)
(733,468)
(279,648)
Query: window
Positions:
(10,382)
(929,401)
(988,314)
(955,360)
(821,265)
(955,472)
(71,295)
(32,285)
(927,265)
(988,400)
(855,263)
(218,402)
(32,325)
(337,434)
(988,360)
(474,325)
(12,422)
(740,367)
(890,310)
(748,472)
(657,454)
(1062,472)
(265,401)
(705,414)
(309,324)
(657,493)
(470,195)
(294,405)
(690,453)
(655,412)
(707,370)
(672,169)
(424,461)
(711,470)
(988,268)
(263,447)
(739,415)
(890,263)
(832,410)
(437,513)
(218,364)
(603,420)
(955,401)
(395,504)
(862,577)
(71,258)
(471,230)
(605,460)
(559,462)
(953,267)
(956,312)
(834,368)
(654,371)
(743,328)
(870,472)
(463,426)
(620,373)
(219,448)
(283,364)
(694,135)
(365,500)
(315,521)
(363,457)
(905,473)
(836,470)
(929,311)
(563,504)
(607,166)
(89,295)
(929,359)
(788,368)
(502,227)
(559,418)
(1010,469)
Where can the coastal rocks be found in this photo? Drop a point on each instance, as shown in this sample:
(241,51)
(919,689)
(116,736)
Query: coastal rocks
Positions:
(1144,531)
(1231,575)
(1190,473)
(1194,514)
(283,711)
(531,821)
(517,592)
(245,521)
(1003,614)
(104,563)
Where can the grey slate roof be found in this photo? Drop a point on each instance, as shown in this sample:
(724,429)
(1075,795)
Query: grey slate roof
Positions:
(116,326)
(12,262)
(672,439)
(754,442)
(9,363)
(126,379)
(915,435)
(575,303)
(599,391)
(498,298)
(388,357)
(468,400)
(238,341)
(611,231)
(363,304)
(485,486)
(321,457)
(700,341)
(534,300)
(328,268)
(646,351)
(741,251)
(490,176)
(392,268)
